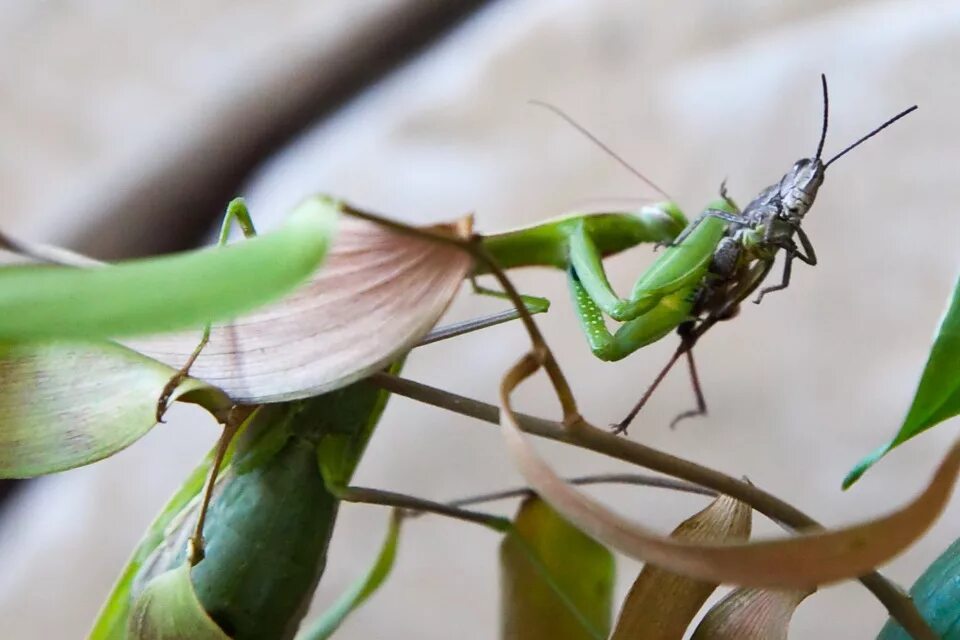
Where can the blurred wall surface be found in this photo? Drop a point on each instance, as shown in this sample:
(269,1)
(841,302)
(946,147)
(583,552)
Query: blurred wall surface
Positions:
(799,388)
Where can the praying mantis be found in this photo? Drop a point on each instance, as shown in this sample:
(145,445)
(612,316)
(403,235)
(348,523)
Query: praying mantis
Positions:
(290,463)
(277,440)
(716,263)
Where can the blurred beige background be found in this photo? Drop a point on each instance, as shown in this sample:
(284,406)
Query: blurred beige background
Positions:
(799,388)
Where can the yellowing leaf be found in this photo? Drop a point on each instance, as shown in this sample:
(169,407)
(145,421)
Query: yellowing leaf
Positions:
(63,404)
(661,604)
(802,561)
(379,292)
(751,614)
(555,582)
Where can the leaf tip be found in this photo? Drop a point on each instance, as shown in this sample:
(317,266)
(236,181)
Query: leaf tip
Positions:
(865,463)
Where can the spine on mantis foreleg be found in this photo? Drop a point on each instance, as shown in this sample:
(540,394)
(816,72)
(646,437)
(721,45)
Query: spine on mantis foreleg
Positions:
(272,515)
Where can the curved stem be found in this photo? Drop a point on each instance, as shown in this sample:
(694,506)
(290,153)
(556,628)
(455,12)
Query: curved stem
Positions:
(898,604)
(605,478)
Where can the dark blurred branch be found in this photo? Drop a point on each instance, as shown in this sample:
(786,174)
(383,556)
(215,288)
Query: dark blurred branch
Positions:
(174,206)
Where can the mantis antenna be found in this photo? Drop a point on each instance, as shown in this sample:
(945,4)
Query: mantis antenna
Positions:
(583,130)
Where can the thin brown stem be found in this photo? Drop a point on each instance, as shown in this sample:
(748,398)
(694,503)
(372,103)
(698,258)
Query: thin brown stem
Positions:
(898,604)
(364,495)
(605,478)
(474,246)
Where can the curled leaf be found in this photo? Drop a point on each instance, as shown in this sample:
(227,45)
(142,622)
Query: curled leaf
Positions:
(751,614)
(166,293)
(113,618)
(662,604)
(938,394)
(379,292)
(63,405)
(555,582)
(357,594)
(804,560)
(168,609)
(937,596)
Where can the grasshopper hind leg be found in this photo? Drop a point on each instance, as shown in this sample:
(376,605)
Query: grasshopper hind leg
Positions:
(701,409)
(688,337)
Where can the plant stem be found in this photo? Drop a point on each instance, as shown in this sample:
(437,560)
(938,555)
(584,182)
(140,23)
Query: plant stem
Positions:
(897,602)
(473,245)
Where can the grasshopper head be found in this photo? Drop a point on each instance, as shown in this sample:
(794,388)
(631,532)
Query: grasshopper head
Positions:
(798,188)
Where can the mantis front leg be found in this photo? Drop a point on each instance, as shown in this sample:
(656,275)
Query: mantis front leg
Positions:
(668,312)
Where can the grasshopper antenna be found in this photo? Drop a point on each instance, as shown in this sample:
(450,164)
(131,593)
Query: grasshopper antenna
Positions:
(583,130)
(826,115)
(870,135)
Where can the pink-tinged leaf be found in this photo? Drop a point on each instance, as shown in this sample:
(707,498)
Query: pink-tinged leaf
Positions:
(802,561)
(751,614)
(378,293)
(66,404)
(661,604)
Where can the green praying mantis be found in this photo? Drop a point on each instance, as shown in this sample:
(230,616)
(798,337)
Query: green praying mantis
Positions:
(287,469)
(704,275)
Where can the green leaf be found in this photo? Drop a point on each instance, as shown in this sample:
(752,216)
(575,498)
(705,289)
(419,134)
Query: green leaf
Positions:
(165,293)
(111,623)
(937,596)
(938,395)
(556,583)
(168,609)
(63,405)
(357,594)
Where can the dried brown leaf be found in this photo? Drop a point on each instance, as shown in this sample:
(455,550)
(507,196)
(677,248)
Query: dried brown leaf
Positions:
(378,293)
(802,561)
(751,614)
(661,604)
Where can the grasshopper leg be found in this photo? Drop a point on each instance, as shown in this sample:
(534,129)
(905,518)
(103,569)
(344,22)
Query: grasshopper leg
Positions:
(688,338)
(701,409)
(726,198)
(784,282)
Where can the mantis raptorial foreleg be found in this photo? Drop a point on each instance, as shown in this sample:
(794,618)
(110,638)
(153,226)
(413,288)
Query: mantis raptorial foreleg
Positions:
(236,212)
(669,311)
